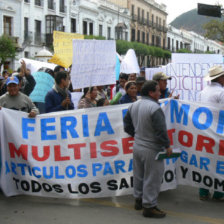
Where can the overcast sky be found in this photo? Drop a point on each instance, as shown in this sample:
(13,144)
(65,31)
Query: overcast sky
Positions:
(177,7)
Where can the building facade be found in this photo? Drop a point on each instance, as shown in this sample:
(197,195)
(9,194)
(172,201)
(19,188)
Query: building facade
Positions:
(182,39)
(31,22)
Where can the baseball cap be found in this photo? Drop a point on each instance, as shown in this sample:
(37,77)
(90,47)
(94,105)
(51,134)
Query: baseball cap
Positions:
(160,76)
(12,79)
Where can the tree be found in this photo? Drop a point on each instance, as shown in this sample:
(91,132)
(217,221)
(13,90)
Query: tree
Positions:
(7,49)
(214,30)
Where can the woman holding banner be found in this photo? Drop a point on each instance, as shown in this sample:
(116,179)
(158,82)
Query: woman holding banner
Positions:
(89,98)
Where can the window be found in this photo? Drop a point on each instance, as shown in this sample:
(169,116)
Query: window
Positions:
(8,25)
(90,28)
(53,22)
(143,37)
(152,19)
(177,45)
(27,1)
(38,2)
(62,6)
(147,38)
(147,18)
(157,21)
(108,33)
(126,35)
(100,30)
(26,28)
(73,25)
(51,4)
(84,27)
(164,43)
(132,34)
(143,15)
(26,54)
(138,37)
(168,44)
(153,40)
(138,14)
(132,9)
(37,32)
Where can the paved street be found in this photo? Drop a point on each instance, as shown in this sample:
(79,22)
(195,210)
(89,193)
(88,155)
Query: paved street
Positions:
(182,206)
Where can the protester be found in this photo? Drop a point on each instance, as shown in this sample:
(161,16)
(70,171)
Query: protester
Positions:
(131,93)
(59,98)
(46,71)
(5,74)
(139,83)
(16,100)
(142,72)
(213,93)
(101,93)
(162,78)
(145,121)
(102,102)
(123,78)
(132,77)
(89,98)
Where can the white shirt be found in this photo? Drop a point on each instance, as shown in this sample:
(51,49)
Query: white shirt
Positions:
(121,90)
(213,93)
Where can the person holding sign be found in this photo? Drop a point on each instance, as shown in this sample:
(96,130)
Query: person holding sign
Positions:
(59,98)
(162,78)
(213,93)
(145,121)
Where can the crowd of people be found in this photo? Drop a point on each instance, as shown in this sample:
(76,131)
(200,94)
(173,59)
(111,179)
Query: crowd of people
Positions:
(145,120)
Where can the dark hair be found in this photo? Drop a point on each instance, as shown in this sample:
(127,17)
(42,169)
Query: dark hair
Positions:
(85,90)
(100,102)
(129,84)
(148,86)
(59,76)
(47,70)
(123,76)
(4,72)
(57,68)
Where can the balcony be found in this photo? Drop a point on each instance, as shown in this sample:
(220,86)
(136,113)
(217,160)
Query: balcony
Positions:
(39,39)
(28,37)
(134,18)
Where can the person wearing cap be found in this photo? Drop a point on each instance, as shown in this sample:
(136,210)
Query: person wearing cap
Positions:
(142,72)
(139,83)
(162,78)
(145,121)
(16,100)
(213,93)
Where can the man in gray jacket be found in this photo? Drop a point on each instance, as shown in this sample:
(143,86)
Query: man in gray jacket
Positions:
(145,121)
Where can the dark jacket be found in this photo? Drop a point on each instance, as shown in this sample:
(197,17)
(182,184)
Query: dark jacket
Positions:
(53,102)
(125,99)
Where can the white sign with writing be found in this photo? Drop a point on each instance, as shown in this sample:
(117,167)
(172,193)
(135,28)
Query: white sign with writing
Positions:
(94,63)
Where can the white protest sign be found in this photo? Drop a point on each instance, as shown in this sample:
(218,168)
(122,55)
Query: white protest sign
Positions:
(76,96)
(35,65)
(149,72)
(94,63)
(187,72)
(130,63)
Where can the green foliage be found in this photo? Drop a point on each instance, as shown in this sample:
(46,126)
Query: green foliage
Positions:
(184,50)
(123,46)
(214,30)
(7,49)
(94,37)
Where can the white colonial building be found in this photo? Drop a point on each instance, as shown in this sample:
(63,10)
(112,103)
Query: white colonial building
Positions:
(31,22)
(178,39)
